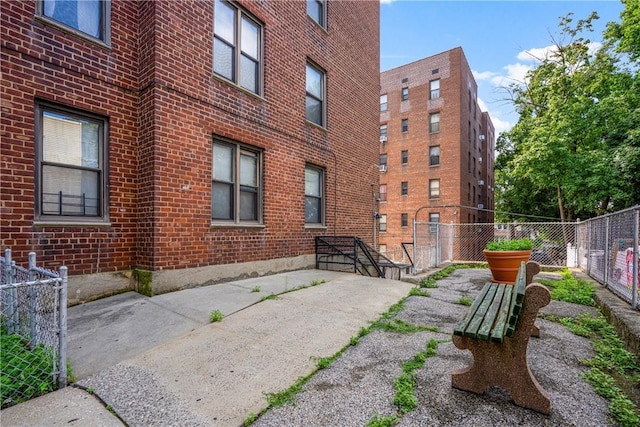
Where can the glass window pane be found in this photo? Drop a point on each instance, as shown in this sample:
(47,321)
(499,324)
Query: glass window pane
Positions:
(85,15)
(312,182)
(222,163)
(314,10)
(314,82)
(222,201)
(224,21)
(248,205)
(250,36)
(223,59)
(248,74)
(314,110)
(312,210)
(70,140)
(248,170)
(67,191)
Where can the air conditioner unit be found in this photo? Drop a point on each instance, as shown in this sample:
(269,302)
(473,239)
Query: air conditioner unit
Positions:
(481,182)
(480,206)
(480,159)
(383,139)
(481,137)
(383,168)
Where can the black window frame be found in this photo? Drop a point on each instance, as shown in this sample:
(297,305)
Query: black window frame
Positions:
(405,93)
(104,37)
(102,169)
(323,98)
(404,125)
(236,48)
(404,220)
(239,150)
(404,188)
(404,157)
(321,198)
(434,160)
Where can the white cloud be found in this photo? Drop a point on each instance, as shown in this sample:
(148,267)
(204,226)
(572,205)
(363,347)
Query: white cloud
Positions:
(386,1)
(484,75)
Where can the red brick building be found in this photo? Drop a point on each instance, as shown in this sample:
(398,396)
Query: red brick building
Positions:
(165,144)
(436,149)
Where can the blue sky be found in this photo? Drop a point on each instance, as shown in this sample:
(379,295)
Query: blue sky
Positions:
(497,38)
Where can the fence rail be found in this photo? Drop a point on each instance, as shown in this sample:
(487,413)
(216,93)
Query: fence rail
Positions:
(603,247)
(33,327)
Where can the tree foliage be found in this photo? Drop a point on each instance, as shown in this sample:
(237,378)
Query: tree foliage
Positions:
(575,151)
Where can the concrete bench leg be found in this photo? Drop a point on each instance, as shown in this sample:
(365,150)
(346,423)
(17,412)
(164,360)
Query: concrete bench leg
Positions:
(505,364)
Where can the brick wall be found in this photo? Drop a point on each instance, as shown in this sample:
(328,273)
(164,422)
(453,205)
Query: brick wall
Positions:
(156,86)
(455,139)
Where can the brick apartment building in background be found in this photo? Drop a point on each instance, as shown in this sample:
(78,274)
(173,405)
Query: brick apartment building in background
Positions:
(165,144)
(436,149)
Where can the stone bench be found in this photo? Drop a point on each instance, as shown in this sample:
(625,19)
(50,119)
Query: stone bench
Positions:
(496,329)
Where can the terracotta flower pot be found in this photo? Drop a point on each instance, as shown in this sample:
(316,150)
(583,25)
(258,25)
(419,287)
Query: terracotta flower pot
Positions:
(504,265)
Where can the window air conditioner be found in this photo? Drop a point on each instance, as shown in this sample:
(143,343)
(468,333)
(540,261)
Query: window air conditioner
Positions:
(480,206)
(481,182)
(480,159)
(481,137)
(383,139)
(383,168)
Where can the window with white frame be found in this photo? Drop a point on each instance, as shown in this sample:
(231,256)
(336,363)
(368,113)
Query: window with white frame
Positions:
(383,192)
(71,174)
(434,155)
(405,125)
(383,102)
(317,10)
(434,219)
(404,157)
(236,190)
(383,131)
(434,89)
(315,95)
(404,188)
(434,188)
(237,46)
(434,122)
(313,195)
(383,223)
(87,17)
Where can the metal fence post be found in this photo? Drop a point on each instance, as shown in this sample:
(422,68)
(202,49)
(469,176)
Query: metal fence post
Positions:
(606,262)
(32,296)
(415,243)
(62,334)
(636,255)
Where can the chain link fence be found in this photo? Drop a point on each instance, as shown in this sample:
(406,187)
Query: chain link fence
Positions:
(606,251)
(603,247)
(33,330)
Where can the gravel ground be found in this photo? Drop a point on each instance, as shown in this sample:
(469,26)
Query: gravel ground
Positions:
(360,384)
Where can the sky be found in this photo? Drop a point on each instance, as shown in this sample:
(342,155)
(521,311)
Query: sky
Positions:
(497,37)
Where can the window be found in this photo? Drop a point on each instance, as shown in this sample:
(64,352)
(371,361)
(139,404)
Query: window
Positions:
(404,188)
(315,95)
(434,219)
(434,188)
(434,155)
(313,195)
(405,125)
(405,93)
(71,175)
(382,249)
(434,122)
(383,223)
(434,89)
(383,131)
(383,192)
(405,157)
(383,161)
(237,46)
(236,194)
(316,9)
(89,17)
(404,220)
(383,102)
(435,71)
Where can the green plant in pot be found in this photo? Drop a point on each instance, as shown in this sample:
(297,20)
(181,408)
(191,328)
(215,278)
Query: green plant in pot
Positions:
(504,258)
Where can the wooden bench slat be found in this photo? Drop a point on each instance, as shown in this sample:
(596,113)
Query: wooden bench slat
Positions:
(497,335)
(476,321)
(462,325)
(489,321)
(516,302)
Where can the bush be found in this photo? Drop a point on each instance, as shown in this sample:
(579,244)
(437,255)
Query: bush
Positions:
(523,244)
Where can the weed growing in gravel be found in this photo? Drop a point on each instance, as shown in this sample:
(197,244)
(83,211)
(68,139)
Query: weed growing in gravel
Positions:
(269,297)
(256,289)
(570,289)
(464,300)
(614,372)
(215,316)
(418,292)
(430,282)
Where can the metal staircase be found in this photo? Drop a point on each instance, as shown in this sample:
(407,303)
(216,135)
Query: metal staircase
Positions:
(351,254)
